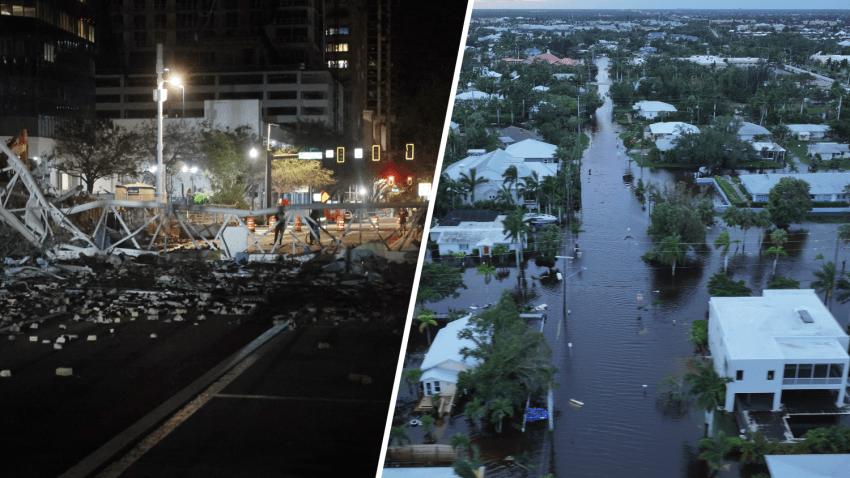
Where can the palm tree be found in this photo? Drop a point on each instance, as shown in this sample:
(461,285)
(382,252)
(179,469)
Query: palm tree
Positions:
(505,197)
(471,181)
(400,435)
(825,282)
(724,242)
(530,187)
(475,410)
(778,237)
(515,229)
(672,250)
(426,318)
(500,407)
(731,216)
(510,177)
(746,220)
(427,424)
(762,221)
(459,440)
(714,451)
(707,385)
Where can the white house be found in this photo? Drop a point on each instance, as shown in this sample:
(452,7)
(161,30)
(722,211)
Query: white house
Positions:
(668,129)
(769,151)
(534,151)
(806,132)
(468,236)
(748,131)
(784,340)
(829,151)
(651,109)
(527,156)
(822,187)
(444,362)
(826,465)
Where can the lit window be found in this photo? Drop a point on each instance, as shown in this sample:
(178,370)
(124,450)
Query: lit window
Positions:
(337,63)
(334,47)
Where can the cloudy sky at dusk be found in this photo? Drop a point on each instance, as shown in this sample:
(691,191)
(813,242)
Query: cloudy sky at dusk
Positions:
(663,4)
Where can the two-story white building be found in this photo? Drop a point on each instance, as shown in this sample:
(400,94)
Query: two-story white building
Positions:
(784,340)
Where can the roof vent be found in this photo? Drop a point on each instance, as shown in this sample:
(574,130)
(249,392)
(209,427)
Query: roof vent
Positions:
(804,315)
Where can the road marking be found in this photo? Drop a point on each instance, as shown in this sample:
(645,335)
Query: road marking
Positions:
(312,399)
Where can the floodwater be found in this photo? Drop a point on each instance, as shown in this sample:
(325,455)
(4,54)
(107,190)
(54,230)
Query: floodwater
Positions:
(622,430)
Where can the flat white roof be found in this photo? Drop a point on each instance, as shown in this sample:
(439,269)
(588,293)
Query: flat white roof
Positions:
(419,472)
(770,327)
(819,183)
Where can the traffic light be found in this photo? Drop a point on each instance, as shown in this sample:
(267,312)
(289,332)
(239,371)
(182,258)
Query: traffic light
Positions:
(340,154)
(408,154)
(410,180)
(376,152)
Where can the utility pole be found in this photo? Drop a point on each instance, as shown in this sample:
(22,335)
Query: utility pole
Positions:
(839,107)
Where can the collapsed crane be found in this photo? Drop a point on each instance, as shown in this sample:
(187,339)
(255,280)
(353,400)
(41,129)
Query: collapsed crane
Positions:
(109,226)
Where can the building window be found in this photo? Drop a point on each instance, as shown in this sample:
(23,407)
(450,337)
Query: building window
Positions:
(463,247)
(437,388)
(770,374)
(231,20)
(140,39)
(337,31)
(139,22)
(49,52)
(283,95)
(337,47)
(739,375)
(159,4)
(159,21)
(338,64)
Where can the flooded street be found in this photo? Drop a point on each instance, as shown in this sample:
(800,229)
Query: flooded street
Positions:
(622,429)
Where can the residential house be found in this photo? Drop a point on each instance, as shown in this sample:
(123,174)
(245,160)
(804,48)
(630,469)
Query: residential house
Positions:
(677,36)
(769,151)
(822,187)
(551,60)
(809,466)
(655,35)
(444,362)
(534,151)
(669,129)
(829,151)
(472,238)
(652,109)
(492,166)
(748,132)
(784,340)
(806,132)
(514,134)
(563,76)
(532,51)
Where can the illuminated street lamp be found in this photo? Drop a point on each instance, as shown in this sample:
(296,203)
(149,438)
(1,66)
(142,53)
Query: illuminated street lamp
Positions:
(175,81)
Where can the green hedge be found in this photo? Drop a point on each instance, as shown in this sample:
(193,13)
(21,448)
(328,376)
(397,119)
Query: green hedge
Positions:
(733,196)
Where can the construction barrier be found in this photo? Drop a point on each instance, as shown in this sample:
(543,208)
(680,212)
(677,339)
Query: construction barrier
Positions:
(375,222)
(340,223)
(398,223)
(297,227)
(250,222)
(272,222)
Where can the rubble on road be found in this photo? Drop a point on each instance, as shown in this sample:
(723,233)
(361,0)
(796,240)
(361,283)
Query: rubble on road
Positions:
(116,291)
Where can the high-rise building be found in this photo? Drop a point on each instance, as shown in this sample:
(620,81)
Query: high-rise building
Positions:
(48,65)
(343,46)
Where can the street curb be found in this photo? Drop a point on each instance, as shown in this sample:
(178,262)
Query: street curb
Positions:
(104,455)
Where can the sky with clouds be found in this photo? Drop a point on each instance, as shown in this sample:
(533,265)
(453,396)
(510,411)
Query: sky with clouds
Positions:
(663,4)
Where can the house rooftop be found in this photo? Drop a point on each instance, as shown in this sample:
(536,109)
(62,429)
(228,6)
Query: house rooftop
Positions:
(672,127)
(772,326)
(468,215)
(447,346)
(752,128)
(808,466)
(531,148)
(819,183)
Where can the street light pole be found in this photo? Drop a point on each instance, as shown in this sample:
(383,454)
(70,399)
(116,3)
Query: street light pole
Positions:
(267,197)
(160,97)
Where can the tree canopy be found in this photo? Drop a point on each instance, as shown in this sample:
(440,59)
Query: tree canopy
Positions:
(514,359)
(788,202)
(438,282)
(294,173)
(95,149)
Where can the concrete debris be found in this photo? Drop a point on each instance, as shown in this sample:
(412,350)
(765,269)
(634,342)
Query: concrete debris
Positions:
(322,289)
(64,372)
(5,373)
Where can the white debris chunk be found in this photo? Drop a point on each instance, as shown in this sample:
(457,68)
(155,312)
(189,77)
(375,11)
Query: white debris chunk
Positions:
(64,371)
(153,336)
(33,338)
(5,373)
(92,338)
